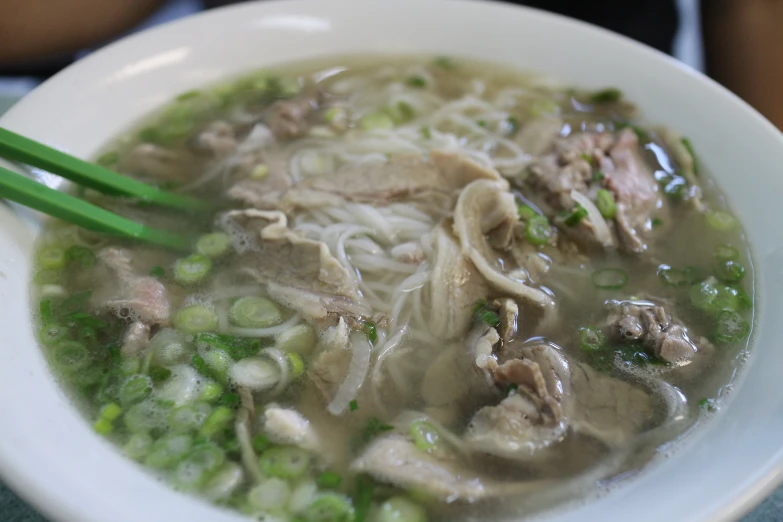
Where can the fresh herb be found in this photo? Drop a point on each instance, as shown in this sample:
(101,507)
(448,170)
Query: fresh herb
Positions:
(707,404)
(689,147)
(598,175)
(609,95)
(575,216)
(370,331)
(417,81)
(159,373)
(373,428)
(353,405)
(200,365)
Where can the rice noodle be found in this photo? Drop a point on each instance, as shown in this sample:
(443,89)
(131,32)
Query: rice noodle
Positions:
(360,365)
(602,232)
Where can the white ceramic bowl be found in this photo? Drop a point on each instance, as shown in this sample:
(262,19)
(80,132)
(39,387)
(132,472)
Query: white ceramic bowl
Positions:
(50,455)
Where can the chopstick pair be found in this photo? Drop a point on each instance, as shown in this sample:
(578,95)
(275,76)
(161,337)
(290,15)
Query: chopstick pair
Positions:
(32,194)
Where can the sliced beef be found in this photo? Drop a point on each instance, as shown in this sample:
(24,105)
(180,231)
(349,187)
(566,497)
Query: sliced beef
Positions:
(573,166)
(330,366)
(606,408)
(288,119)
(454,289)
(261,191)
(652,325)
(442,474)
(142,297)
(531,418)
(300,272)
(156,163)
(484,219)
(538,136)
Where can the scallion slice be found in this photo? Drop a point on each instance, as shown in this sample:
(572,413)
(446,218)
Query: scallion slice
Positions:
(610,278)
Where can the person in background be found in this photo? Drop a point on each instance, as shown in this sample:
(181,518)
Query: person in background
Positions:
(743,41)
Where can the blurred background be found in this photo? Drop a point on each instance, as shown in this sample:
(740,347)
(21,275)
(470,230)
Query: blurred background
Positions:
(19,78)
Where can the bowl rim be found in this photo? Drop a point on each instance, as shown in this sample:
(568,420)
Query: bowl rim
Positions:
(49,502)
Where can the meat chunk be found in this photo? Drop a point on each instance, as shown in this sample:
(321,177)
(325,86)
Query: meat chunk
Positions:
(154,162)
(218,139)
(265,190)
(509,318)
(288,119)
(143,297)
(486,210)
(573,165)
(455,288)
(538,136)
(300,272)
(652,325)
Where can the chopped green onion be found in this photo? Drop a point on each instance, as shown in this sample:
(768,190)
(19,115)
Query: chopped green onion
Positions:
(52,258)
(192,269)
(598,175)
(210,391)
(730,327)
(335,114)
(376,120)
(199,465)
(526,212)
(444,62)
(157,271)
(417,81)
(168,450)
(159,374)
(610,278)
(609,95)
(195,318)
(237,347)
(213,245)
(703,295)
(726,252)
(48,276)
(488,317)
(538,231)
(270,495)
(261,443)
(353,405)
(299,339)
(329,480)
(53,333)
(707,404)
(287,462)
(541,108)
(591,339)
(103,426)
(604,200)
(575,216)
(512,125)
(218,362)
(374,427)
(216,422)
(81,255)
(138,446)
(425,435)
(365,492)
(426,133)
(689,147)
(71,356)
(260,171)
(108,159)
(730,299)
(656,222)
(481,123)
(330,507)
(111,411)
(587,157)
(254,312)
(188,417)
(135,389)
(370,331)
(45,309)
(400,509)
(730,271)
(720,220)
(230,399)
(676,277)
(296,364)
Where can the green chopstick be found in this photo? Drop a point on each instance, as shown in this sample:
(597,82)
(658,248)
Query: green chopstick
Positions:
(17,148)
(38,196)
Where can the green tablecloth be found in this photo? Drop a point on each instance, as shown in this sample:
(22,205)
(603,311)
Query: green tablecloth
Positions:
(13,509)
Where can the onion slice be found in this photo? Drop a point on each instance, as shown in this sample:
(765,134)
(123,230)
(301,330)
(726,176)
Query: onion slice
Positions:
(602,232)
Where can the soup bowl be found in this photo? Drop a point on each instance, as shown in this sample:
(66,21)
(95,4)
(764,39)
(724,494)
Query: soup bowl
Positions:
(52,457)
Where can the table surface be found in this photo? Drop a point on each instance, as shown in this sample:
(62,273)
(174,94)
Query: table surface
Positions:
(13,509)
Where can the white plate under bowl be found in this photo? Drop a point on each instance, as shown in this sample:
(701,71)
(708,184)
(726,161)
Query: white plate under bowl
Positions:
(50,455)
